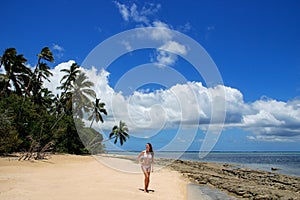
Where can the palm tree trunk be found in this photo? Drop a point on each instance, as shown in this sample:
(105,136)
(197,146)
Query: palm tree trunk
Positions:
(92,122)
(63,114)
(109,139)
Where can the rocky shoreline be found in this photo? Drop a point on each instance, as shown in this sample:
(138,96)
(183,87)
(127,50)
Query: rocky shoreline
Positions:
(242,183)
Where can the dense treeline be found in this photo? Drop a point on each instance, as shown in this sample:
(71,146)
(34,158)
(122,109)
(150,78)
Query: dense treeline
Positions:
(33,119)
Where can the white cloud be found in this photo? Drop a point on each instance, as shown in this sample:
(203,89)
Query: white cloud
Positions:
(164,59)
(57,47)
(124,11)
(57,76)
(174,47)
(133,13)
(58,51)
(185,28)
(189,105)
(162,32)
(167,53)
(127,45)
(262,118)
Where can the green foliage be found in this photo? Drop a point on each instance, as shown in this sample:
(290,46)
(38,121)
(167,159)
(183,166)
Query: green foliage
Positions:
(8,134)
(119,133)
(31,114)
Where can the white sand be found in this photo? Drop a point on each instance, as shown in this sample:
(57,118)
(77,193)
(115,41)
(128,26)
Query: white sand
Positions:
(83,177)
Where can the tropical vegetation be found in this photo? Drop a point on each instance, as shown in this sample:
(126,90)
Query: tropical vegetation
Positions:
(33,119)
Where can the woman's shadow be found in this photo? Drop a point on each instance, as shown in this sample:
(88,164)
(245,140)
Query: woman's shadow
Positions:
(148,190)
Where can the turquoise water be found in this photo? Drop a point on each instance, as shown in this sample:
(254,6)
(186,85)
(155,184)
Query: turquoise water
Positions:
(287,162)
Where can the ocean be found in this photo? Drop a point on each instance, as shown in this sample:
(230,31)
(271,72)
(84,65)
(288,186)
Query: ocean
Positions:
(285,162)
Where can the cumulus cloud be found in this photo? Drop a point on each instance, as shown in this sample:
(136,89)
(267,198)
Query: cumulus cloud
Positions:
(167,54)
(174,47)
(190,105)
(274,120)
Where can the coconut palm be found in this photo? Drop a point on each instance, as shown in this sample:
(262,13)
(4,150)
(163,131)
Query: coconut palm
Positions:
(43,68)
(68,79)
(16,71)
(41,71)
(47,99)
(98,109)
(119,133)
(67,85)
(82,94)
(64,101)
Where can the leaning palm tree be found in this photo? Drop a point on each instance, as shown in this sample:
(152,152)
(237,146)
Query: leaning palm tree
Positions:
(16,71)
(98,109)
(41,71)
(119,133)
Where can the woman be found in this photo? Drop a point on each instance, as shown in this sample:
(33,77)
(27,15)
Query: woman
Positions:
(146,159)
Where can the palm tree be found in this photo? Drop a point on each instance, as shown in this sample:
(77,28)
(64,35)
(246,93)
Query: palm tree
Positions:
(81,95)
(119,133)
(47,99)
(77,93)
(16,71)
(98,109)
(64,101)
(41,71)
(67,85)
(43,68)
(69,78)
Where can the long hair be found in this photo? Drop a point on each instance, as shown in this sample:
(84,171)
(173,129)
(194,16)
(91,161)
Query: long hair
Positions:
(150,149)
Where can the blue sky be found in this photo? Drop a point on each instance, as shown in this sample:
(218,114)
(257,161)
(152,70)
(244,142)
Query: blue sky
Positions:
(254,44)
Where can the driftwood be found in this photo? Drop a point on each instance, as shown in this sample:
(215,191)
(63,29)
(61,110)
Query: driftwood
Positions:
(35,151)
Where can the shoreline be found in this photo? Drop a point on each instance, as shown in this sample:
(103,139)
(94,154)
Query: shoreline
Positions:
(268,161)
(182,179)
(238,182)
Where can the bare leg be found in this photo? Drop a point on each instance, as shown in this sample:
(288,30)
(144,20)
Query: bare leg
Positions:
(146,184)
(146,181)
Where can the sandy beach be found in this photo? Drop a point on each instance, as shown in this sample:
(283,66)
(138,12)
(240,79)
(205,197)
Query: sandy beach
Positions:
(119,177)
(83,177)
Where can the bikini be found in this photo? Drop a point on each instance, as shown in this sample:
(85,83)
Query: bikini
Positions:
(147,159)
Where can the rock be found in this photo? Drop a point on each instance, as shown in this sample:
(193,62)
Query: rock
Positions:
(274,169)
(262,197)
(247,195)
(242,182)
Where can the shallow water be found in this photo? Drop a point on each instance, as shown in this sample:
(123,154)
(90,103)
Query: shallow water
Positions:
(287,162)
(196,192)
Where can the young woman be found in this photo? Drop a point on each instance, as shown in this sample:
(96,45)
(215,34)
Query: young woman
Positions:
(146,159)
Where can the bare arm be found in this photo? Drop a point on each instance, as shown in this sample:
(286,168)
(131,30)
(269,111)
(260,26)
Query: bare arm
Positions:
(152,163)
(139,156)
